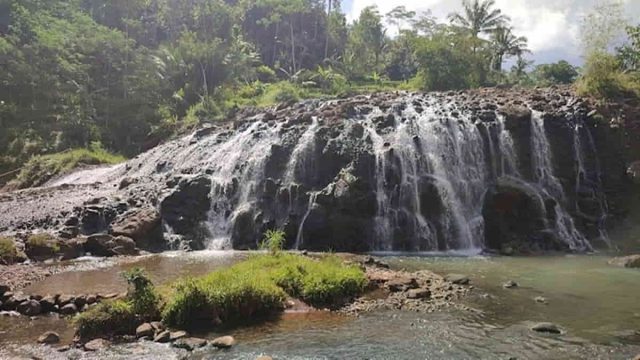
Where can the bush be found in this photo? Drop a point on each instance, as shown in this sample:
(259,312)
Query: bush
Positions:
(113,317)
(259,286)
(9,254)
(41,169)
(266,74)
(604,78)
(43,241)
(142,294)
(273,241)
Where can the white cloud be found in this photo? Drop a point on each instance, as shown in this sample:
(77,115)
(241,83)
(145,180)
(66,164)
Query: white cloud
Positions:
(552,26)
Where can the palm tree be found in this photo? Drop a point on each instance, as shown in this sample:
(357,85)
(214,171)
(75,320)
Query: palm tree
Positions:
(505,44)
(479,16)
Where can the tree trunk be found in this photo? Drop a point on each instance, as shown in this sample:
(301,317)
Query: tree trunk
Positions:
(327,30)
(293,46)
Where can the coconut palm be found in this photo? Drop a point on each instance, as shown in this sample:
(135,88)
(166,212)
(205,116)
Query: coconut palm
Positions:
(505,44)
(479,16)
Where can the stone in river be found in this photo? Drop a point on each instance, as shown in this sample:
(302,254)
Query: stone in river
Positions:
(458,279)
(224,342)
(49,337)
(547,327)
(189,344)
(510,284)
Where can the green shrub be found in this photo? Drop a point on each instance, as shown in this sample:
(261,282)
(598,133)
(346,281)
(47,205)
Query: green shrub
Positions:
(9,254)
(273,241)
(266,74)
(259,286)
(603,78)
(112,317)
(41,169)
(142,294)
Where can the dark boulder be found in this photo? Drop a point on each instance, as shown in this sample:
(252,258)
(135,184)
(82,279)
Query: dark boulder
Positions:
(141,225)
(515,217)
(186,207)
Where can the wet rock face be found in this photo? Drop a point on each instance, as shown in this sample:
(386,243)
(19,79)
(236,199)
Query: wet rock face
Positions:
(513,170)
(517,217)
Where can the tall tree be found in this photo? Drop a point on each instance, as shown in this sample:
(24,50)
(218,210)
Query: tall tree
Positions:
(479,16)
(505,44)
(400,16)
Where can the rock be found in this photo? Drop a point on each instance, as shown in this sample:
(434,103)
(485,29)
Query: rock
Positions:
(546,327)
(49,337)
(65,299)
(30,308)
(124,246)
(80,301)
(163,337)
(458,279)
(540,299)
(157,326)
(48,303)
(144,330)
(402,284)
(63,348)
(141,225)
(187,206)
(69,309)
(632,261)
(264,357)
(419,294)
(92,299)
(223,342)
(73,249)
(100,245)
(4,289)
(97,345)
(189,343)
(510,284)
(177,335)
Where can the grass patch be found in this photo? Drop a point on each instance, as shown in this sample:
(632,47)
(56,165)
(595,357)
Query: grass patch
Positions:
(43,168)
(43,241)
(259,286)
(115,317)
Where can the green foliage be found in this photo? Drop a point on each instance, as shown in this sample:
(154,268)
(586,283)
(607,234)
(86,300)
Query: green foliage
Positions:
(450,60)
(142,294)
(265,74)
(43,240)
(111,317)
(259,285)
(273,241)
(41,169)
(604,78)
(557,73)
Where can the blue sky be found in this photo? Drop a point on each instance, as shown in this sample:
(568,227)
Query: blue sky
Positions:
(552,26)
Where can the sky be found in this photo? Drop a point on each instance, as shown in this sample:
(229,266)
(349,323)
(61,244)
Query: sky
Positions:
(552,26)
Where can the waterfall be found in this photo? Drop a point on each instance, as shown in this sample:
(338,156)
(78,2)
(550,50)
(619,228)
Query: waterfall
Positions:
(423,165)
(544,176)
(300,237)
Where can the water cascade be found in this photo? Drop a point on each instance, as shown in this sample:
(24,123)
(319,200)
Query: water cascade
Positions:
(406,172)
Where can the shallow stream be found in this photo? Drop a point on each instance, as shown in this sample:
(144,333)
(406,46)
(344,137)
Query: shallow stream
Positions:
(597,305)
